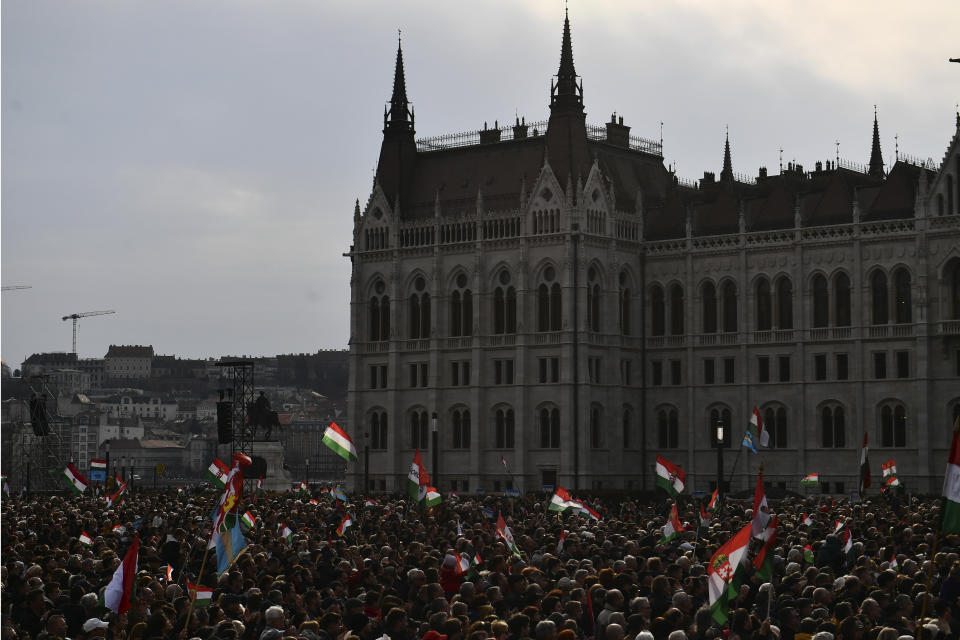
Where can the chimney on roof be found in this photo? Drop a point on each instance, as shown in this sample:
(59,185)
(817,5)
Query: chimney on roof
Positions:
(763,174)
(709,177)
(520,129)
(489,136)
(618,134)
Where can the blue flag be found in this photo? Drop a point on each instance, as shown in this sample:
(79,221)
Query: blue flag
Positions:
(748,442)
(98,475)
(230,544)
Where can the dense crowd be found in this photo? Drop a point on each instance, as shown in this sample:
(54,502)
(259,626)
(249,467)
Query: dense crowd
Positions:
(396,575)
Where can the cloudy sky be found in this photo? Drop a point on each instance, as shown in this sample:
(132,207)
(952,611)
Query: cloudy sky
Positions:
(193,164)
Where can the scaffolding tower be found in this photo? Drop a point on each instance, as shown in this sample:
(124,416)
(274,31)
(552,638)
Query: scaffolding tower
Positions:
(39,454)
(240,373)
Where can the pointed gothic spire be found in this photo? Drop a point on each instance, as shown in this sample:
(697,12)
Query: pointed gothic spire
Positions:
(876,158)
(566,90)
(727,174)
(400,116)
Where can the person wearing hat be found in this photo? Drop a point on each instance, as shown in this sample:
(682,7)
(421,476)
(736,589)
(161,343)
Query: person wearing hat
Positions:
(95,628)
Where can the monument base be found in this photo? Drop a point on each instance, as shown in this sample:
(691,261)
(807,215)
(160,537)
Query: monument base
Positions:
(276,477)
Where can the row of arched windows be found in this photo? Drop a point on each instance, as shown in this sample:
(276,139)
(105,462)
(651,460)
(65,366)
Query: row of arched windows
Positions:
(890,301)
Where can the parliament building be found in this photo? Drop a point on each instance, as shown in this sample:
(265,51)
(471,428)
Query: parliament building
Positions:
(551,305)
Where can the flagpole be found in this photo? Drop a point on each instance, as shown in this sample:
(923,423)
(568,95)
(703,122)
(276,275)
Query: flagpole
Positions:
(735,461)
(203,564)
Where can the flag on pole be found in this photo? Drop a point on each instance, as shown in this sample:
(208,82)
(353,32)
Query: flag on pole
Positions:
(889,468)
(504,533)
(75,479)
(837,525)
(432,497)
(503,461)
(180,491)
(762,434)
(98,470)
(369,502)
(670,477)
(725,574)
(417,479)
(810,480)
(891,482)
(950,506)
(714,502)
(561,540)
(116,597)
(230,499)
(168,574)
(673,526)
(748,441)
(230,546)
(201,596)
(218,472)
(805,520)
(85,538)
(705,517)
(847,540)
(761,513)
(452,496)
(259,486)
(344,524)
(341,444)
(864,466)
(248,519)
(763,562)
(808,554)
(286,533)
(560,501)
(894,565)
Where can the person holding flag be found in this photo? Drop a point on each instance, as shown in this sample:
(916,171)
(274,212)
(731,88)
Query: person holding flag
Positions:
(418,479)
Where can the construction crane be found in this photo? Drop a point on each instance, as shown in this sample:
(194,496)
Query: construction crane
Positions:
(77,316)
(16,287)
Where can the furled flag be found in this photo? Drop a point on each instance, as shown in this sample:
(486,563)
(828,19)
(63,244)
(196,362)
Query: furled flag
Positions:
(748,441)
(560,501)
(248,519)
(808,554)
(218,472)
(864,466)
(341,444)
(85,538)
(894,565)
(763,562)
(168,574)
(417,479)
(503,461)
(561,540)
(725,574)
(75,479)
(504,533)
(432,497)
(672,527)
(201,596)
(286,533)
(116,596)
(303,487)
(847,540)
(761,513)
(762,434)
(98,470)
(889,468)
(670,477)
(950,507)
(714,502)
(890,483)
(810,480)
(344,524)
(805,520)
(115,499)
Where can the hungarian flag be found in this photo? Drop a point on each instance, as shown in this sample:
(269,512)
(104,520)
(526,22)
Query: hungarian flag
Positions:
(417,479)
(950,507)
(761,513)
(810,480)
(119,529)
(894,565)
(85,538)
(673,526)
(504,533)
(714,502)
(453,496)
(201,596)
(248,519)
(847,540)
(762,434)
(808,554)
(369,502)
(806,520)
(344,524)
(286,533)
(583,509)
(180,491)
(313,502)
(889,468)
(218,472)
(670,477)
(560,501)
(341,444)
(75,479)
(864,466)
(837,525)
(461,563)
(891,482)
(561,540)
(115,499)
(725,574)
(763,562)
(116,597)
(433,497)
(98,470)
(229,500)
(705,517)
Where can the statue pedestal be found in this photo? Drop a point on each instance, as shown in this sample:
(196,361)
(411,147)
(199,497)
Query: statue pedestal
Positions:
(277,478)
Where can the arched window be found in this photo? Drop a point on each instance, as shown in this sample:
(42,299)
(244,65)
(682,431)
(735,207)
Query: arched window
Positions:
(718,416)
(658,311)
(833,428)
(627,426)
(548,302)
(676,310)
(461,308)
(821,301)
(379,313)
(549,428)
(504,305)
(841,292)
(461,429)
(954,293)
(901,284)
(624,304)
(775,424)
(878,291)
(708,295)
(419,429)
(764,306)
(593,300)
(893,425)
(784,304)
(418,321)
(729,307)
(504,429)
(668,430)
(378,430)
(596,428)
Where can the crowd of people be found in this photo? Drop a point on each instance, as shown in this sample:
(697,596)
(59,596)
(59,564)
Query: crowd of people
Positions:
(398,573)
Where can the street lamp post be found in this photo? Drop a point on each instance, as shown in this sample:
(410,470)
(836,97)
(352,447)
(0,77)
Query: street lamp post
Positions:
(366,461)
(720,459)
(436,450)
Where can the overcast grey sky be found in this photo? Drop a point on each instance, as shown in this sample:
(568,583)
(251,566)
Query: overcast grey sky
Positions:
(193,164)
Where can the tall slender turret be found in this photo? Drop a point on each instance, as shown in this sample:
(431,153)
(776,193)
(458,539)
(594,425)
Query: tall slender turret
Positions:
(727,174)
(876,158)
(398,152)
(567,130)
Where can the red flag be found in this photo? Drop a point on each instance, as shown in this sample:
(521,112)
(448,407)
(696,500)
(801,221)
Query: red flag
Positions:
(761,514)
(116,596)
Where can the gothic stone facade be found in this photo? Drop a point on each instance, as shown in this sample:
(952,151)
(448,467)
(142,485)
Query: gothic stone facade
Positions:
(561,308)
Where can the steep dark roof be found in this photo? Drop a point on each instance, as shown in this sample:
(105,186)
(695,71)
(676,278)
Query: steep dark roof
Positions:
(51,358)
(129,351)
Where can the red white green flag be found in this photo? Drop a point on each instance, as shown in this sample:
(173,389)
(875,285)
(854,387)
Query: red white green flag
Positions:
(763,562)
(673,527)
(344,524)
(714,502)
(417,479)
(950,507)
(85,538)
(116,597)
(763,435)
(341,444)
(504,533)
(761,512)
(725,574)
(201,596)
(670,477)
(75,479)
(810,480)
(894,565)
(805,520)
